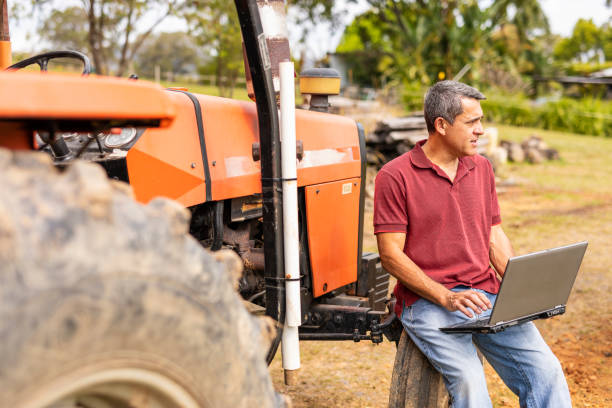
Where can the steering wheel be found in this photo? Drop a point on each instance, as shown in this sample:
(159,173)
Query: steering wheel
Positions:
(43,60)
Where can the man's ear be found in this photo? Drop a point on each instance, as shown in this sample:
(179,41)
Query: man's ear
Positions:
(440,125)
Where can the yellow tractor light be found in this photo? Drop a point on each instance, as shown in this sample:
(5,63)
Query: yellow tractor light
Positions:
(319,83)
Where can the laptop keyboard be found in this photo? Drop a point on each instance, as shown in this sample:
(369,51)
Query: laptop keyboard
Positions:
(479,322)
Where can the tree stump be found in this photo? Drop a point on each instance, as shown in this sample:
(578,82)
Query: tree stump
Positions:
(415,383)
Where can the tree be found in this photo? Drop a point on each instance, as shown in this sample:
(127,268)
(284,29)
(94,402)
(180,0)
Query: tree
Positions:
(587,43)
(115,29)
(526,15)
(172,52)
(423,40)
(521,25)
(66,29)
(214,24)
(607,40)
(363,47)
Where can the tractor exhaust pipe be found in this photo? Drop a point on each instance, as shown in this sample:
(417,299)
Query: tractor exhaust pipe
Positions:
(5,38)
(293,314)
(264,50)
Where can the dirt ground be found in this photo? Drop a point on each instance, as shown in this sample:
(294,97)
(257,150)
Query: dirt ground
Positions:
(543,205)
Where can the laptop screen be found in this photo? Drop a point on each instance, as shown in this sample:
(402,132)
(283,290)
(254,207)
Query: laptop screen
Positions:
(537,282)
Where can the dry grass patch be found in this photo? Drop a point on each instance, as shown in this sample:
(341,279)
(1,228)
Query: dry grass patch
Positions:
(553,204)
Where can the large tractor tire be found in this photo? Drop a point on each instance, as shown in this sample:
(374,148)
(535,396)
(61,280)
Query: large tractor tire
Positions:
(415,383)
(108,303)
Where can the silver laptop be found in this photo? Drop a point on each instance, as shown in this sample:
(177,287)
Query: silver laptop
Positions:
(535,286)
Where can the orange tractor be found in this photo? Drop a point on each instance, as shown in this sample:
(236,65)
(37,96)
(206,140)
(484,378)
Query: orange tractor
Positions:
(105,301)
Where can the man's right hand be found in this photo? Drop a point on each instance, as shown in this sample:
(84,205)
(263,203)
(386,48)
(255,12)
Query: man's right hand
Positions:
(465,300)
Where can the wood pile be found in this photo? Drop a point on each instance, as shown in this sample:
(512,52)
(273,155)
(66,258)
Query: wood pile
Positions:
(393,137)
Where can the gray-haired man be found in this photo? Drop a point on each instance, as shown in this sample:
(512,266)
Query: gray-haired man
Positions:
(438,227)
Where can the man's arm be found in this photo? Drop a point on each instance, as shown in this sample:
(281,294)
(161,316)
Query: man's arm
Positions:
(398,264)
(500,249)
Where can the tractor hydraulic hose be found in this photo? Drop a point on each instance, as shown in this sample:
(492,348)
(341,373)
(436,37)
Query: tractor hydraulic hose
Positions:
(271,183)
(218,227)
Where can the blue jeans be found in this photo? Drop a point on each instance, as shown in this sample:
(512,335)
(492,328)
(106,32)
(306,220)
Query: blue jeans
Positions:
(519,355)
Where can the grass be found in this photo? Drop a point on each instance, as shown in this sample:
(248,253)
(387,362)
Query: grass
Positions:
(584,166)
(557,203)
(238,93)
(557,193)
(551,204)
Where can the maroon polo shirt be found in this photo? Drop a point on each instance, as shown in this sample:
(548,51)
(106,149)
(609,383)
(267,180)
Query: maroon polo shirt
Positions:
(447,223)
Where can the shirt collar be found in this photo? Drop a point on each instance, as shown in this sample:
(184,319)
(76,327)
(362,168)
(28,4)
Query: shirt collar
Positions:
(419,159)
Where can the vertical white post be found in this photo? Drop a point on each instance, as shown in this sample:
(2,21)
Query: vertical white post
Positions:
(157,74)
(290,341)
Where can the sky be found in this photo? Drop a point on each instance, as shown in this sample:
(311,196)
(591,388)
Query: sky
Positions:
(562,15)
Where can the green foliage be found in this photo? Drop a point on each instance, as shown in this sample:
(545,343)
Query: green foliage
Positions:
(584,116)
(363,49)
(526,16)
(318,10)
(172,52)
(425,41)
(361,34)
(214,24)
(66,29)
(239,93)
(112,31)
(585,69)
(585,45)
(413,96)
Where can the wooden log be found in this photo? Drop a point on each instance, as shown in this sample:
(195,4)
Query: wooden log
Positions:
(406,123)
(412,136)
(414,382)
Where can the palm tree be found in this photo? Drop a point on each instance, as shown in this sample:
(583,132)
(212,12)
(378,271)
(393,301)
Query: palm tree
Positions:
(525,15)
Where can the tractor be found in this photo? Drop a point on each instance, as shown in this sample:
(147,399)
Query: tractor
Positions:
(126,296)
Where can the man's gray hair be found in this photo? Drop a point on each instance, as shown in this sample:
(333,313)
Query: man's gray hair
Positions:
(443,100)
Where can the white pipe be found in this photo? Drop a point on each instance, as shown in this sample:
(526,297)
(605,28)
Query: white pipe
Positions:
(290,206)
(293,318)
(290,347)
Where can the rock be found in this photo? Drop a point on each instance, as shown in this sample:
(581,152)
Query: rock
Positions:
(515,151)
(492,135)
(534,156)
(499,157)
(534,142)
(551,154)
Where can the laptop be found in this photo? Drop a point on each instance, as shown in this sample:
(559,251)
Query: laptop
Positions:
(535,286)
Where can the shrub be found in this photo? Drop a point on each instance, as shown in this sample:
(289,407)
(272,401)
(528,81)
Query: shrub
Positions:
(586,116)
(582,116)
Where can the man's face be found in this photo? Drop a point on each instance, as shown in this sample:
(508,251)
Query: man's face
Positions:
(462,136)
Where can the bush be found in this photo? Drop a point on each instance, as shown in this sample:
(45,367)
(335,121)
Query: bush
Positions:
(588,116)
(413,95)
(582,116)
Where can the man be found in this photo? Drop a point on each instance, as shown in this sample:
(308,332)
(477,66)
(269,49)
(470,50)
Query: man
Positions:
(438,227)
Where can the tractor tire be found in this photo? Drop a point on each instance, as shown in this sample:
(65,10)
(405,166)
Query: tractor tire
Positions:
(415,383)
(105,302)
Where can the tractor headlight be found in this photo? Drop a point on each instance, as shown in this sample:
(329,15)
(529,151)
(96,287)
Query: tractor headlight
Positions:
(120,139)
